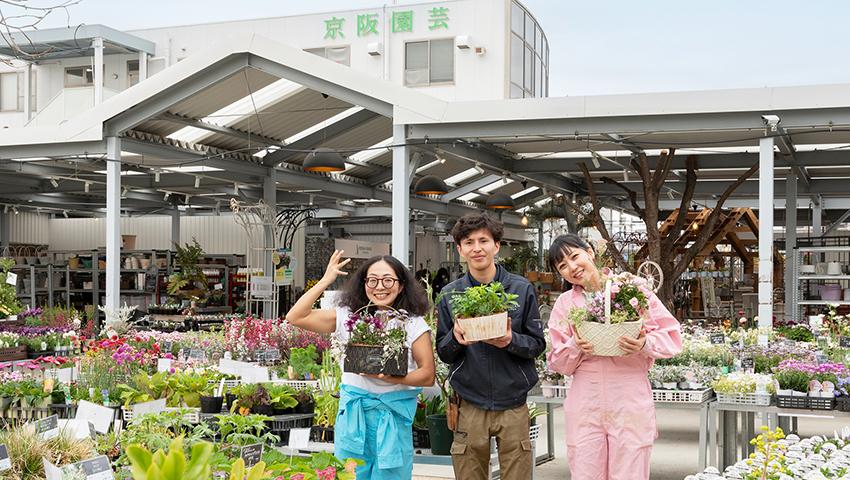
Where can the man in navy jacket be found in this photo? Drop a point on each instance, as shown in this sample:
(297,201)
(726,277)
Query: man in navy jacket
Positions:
(492,377)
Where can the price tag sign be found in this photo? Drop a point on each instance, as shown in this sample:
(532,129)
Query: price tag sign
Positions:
(821,358)
(48,428)
(748,364)
(299,437)
(163,364)
(251,454)
(259,356)
(218,286)
(717,339)
(844,342)
(166,346)
(12,278)
(762,339)
(97,469)
(5,463)
(92,431)
(272,355)
(196,354)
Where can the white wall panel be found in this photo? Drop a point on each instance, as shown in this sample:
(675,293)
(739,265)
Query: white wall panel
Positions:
(29,227)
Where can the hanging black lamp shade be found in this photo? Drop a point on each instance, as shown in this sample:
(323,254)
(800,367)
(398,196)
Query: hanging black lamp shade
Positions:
(431,185)
(500,201)
(554,213)
(323,160)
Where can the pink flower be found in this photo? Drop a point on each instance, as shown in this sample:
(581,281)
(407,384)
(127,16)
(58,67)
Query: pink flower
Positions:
(351,466)
(326,474)
(633,302)
(297,476)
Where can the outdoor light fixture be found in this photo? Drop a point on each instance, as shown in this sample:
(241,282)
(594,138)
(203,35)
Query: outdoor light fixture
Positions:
(323,160)
(156,176)
(554,213)
(65,213)
(311,199)
(545,191)
(500,201)
(88,185)
(5,209)
(625,175)
(504,178)
(186,200)
(54,182)
(670,193)
(431,185)
(15,209)
(594,159)
(124,193)
(167,194)
(197,182)
(479,169)
(442,160)
(524,220)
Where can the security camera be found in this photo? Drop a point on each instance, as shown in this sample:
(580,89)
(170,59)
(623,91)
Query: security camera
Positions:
(770,120)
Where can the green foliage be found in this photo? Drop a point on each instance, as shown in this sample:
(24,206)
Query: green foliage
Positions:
(9,304)
(281,396)
(187,259)
(303,361)
(155,431)
(241,430)
(799,333)
(482,300)
(188,388)
(435,405)
(158,466)
(317,463)
(144,388)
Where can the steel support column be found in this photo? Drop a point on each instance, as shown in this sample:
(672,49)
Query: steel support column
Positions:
(401,196)
(113,224)
(765,273)
(270,197)
(790,239)
(97,74)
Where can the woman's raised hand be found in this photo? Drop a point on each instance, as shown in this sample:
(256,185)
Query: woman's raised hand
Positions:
(335,267)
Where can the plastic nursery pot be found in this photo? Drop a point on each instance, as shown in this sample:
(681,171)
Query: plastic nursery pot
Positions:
(211,404)
(441,436)
(263,410)
(309,407)
(284,411)
(230,399)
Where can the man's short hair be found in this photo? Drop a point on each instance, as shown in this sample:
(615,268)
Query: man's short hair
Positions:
(476,221)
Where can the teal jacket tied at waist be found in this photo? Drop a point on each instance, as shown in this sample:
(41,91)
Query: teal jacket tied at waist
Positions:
(351,421)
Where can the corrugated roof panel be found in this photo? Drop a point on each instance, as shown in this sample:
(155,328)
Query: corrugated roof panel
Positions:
(224,93)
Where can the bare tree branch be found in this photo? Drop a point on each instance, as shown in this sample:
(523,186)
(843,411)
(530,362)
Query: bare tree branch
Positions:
(632,195)
(26,16)
(600,223)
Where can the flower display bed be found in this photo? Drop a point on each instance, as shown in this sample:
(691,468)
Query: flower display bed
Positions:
(810,403)
(745,399)
(191,417)
(13,353)
(682,396)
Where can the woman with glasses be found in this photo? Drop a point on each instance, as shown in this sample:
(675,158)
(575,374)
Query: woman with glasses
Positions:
(375,416)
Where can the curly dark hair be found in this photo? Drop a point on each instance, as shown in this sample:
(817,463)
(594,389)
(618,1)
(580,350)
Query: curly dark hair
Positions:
(411,298)
(476,221)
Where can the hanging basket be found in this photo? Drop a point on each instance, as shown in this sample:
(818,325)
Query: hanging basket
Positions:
(604,336)
(371,359)
(531,275)
(547,277)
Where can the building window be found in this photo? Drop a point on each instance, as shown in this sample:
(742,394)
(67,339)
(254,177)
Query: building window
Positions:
(339,55)
(132,72)
(429,62)
(12,92)
(529,62)
(79,77)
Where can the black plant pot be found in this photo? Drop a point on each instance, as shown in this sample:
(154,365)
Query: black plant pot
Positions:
(230,399)
(263,410)
(211,404)
(309,407)
(322,434)
(284,411)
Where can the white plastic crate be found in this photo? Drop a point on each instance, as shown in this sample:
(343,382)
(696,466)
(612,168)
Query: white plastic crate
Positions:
(534,432)
(298,384)
(682,396)
(192,417)
(745,399)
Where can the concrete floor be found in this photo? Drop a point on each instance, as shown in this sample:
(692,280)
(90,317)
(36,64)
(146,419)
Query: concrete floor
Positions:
(674,455)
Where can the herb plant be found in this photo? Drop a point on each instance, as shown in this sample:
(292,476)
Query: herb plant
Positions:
(482,300)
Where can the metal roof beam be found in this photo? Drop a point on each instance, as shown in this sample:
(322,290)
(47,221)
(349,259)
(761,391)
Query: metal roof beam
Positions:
(321,85)
(191,122)
(54,150)
(469,187)
(161,102)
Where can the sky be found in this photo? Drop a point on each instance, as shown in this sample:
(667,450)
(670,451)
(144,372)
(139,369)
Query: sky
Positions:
(596,47)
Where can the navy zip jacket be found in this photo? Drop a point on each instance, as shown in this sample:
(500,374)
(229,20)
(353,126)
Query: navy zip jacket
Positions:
(484,375)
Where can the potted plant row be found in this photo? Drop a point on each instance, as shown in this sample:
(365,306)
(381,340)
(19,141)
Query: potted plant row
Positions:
(482,311)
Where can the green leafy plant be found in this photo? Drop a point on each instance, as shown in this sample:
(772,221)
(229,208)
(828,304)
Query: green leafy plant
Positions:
(241,430)
(144,388)
(251,394)
(281,397)
(188,388)
(159,466)
(187,259)
(482,300)
(9,304)
(322,465)
(303,361)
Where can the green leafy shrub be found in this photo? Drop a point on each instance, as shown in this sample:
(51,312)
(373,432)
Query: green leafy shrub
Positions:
(482,300)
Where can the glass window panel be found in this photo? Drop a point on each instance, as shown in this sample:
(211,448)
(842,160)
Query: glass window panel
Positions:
(74,76)
(416,77)
(516,92)
(517,18)
(528,67)
(442,60)
(516,59)
(319,52)
(416,55)
(529,29)
(133,66)
(339,55)
(8,91)
(539,40)
(90,76)
(538,77)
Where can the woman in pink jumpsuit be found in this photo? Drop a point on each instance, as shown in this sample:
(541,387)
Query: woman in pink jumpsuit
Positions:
(610,415)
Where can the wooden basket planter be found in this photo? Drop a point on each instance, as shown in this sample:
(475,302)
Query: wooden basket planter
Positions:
(18,322)
(18,352)
(484,328)
(369,359)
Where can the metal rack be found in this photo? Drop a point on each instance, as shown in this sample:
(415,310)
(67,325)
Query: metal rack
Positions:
(801,283)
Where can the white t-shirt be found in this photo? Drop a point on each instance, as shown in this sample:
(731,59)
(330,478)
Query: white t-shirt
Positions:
(416,326)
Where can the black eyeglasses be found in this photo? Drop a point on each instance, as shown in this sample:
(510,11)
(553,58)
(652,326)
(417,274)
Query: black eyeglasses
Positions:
(387,282)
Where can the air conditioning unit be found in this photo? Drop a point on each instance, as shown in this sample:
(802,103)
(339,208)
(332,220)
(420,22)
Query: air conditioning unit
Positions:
(480,51)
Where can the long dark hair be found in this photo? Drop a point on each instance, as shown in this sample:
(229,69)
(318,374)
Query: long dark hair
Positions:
(411,298)
(562,246)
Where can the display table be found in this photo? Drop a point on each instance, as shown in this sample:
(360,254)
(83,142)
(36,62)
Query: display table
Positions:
(704,416)
(723,428)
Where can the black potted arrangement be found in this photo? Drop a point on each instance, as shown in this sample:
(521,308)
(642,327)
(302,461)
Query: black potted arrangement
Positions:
(306,401)
(211,399)
(282,398)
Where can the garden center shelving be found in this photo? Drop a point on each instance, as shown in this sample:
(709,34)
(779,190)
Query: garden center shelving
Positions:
(803,284)
(37,285)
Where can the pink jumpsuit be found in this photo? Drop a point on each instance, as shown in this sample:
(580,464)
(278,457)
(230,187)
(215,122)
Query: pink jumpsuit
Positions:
(610,415)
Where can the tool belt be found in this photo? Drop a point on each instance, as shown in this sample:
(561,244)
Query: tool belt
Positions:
(452,406)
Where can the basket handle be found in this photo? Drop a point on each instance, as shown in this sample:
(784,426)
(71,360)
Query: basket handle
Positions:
(528,268)
(608,301)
